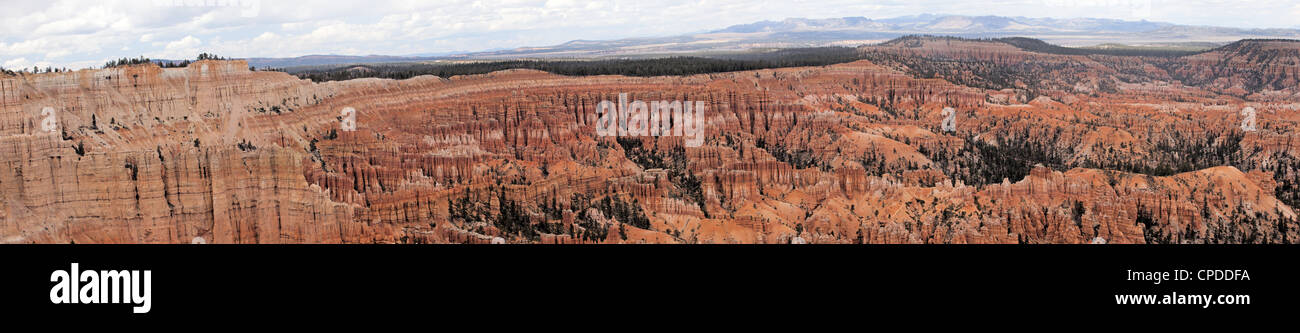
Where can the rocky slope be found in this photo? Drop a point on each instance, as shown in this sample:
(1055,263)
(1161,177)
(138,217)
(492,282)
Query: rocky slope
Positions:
(836,154)
(1243,67)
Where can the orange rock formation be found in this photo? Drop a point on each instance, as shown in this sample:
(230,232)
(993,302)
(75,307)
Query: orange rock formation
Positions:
(836,154)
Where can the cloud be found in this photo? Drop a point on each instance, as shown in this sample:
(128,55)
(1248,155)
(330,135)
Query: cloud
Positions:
(185,43)
(185,48)
(68,32)
(17,63)
(23,63)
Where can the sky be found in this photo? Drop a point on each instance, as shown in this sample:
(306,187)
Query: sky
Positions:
(86,33)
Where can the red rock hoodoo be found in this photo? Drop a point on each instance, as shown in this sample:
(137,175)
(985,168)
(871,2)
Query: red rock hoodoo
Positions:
(1047,148)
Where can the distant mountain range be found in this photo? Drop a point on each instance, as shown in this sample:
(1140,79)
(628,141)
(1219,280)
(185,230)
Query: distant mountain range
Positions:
(929,23)
(845,31)
(312,60)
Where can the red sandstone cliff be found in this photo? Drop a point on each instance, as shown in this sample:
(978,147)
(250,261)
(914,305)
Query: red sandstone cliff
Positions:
(836,154)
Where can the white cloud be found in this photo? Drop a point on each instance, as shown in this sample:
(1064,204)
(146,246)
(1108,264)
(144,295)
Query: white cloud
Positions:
(17,63)
(184,43)
(23,63)
(66,32)
(184,48)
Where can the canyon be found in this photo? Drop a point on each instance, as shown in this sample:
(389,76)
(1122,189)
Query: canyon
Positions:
(1044,148)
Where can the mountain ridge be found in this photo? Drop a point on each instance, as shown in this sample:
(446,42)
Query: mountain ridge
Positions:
(842,31)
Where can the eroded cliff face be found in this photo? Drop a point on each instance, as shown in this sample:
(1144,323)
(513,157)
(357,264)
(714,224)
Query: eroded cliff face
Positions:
(1243,67)
(836,154)
(148,155)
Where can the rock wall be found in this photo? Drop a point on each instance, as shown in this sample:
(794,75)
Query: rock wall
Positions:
(835,154)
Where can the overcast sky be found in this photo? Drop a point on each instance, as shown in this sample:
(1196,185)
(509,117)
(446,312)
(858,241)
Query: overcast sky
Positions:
(85,33)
